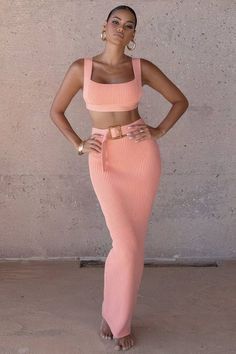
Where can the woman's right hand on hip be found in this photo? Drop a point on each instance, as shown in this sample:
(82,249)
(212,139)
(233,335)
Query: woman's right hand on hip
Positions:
(93,144)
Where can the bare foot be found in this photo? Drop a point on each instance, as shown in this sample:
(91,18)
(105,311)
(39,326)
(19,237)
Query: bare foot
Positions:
(124,343)
(105,331)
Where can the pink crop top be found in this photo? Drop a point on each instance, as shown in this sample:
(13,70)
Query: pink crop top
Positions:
(123,96)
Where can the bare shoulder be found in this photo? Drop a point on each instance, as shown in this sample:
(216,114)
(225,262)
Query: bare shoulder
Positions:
(154,77)
(145,62)
(70,85)
(77,69)
(148,69)
(78,63)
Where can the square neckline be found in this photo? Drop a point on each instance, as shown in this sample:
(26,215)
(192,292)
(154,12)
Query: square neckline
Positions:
(118,83)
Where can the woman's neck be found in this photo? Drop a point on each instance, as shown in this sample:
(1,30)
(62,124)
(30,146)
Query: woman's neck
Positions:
(113,55)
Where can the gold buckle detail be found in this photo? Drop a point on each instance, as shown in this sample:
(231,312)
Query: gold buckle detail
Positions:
(115,132)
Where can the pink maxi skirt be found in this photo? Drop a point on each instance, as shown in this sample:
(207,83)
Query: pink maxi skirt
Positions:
(125,176)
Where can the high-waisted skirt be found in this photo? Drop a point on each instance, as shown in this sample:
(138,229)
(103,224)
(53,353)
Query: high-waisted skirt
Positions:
(125,177)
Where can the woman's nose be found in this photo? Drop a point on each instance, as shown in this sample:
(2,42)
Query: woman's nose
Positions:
(120,29)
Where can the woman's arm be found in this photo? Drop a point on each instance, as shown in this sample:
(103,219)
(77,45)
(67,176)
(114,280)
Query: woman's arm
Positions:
(71,84)
(155,78)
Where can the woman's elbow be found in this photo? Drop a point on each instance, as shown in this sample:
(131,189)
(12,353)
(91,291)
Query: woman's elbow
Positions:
(185,102)
(53,113)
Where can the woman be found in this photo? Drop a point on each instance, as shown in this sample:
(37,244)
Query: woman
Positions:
(123,156)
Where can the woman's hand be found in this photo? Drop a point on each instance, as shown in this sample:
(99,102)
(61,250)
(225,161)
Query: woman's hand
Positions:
(143,131)
(92,144)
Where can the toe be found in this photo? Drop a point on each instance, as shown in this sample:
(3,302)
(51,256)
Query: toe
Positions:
(118,347)
(126,346)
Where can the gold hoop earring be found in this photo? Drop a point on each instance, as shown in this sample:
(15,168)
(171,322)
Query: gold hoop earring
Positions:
(102,35)
(133,47)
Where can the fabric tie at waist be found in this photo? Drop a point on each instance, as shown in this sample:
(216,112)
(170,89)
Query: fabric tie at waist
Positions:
(104,151)
(103,136)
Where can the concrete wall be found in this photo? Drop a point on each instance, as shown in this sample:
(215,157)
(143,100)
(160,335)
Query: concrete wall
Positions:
(48,206)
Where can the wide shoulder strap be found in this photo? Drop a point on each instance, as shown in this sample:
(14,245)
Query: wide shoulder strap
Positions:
(87,70)
(137,69)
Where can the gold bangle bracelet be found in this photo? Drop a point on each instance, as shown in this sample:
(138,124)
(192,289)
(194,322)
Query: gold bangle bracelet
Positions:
(162,131)
(80,148)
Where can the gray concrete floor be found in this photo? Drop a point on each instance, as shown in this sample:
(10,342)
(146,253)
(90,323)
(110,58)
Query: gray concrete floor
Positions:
(54,308)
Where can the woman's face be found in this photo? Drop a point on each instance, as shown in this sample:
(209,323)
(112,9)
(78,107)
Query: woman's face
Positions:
(120,27)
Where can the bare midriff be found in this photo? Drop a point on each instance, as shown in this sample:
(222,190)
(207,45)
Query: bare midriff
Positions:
(103,120)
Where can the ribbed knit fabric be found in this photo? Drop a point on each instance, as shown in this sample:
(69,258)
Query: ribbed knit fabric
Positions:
(123,96)
(125,189)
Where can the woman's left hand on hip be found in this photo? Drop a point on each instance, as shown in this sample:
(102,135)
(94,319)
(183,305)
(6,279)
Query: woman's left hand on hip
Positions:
(141,132)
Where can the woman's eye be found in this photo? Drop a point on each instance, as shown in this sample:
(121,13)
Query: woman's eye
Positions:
(117,22)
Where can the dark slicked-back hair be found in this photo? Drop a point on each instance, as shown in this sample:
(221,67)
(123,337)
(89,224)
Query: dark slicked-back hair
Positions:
(123,7)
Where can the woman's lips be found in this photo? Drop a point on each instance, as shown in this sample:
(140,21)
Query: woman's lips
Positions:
(119,35)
